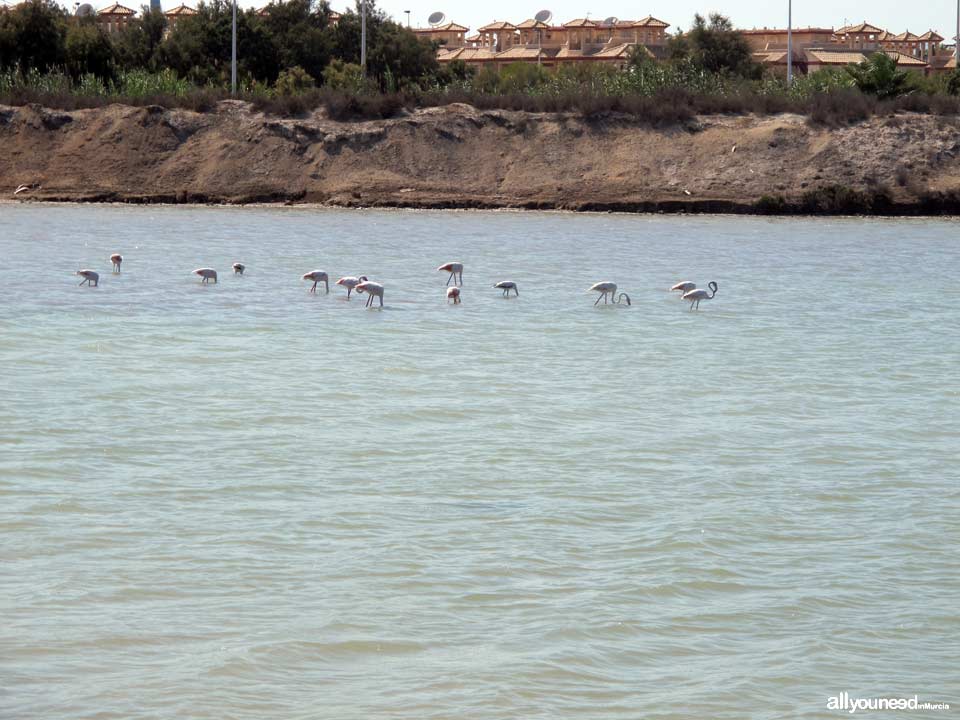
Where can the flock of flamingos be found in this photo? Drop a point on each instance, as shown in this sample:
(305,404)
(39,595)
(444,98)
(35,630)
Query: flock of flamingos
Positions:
(688,290)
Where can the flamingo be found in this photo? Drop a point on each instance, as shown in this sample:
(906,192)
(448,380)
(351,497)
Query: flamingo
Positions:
(238,268)
(507,286)
(605,288)
(207,274)
(90,277)
(317,276)
(684,287)
(350,282)
(372,289)
(116,259)
(25,188)
(454,293)
(695,296)
(455,269)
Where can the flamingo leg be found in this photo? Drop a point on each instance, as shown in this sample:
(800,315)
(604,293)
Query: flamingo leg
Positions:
(597,300)
(461,277)
(326,284)
(314,287)
(516,292)
(449,279)
(349,290)
(381,301)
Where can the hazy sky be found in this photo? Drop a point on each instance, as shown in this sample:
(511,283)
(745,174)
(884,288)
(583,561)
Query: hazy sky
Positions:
(893,15)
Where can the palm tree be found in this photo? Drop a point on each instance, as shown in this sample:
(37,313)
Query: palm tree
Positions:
(878,75)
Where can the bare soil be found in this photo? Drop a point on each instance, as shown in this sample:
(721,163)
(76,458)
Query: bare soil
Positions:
(459,157)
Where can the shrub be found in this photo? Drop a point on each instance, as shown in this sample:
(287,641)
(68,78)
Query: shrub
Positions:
(293,81)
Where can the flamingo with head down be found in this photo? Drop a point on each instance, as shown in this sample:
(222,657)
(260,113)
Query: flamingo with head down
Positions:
(207,274)
(453,293)
(350,282)
(608,288)
(238,268)
(695,296)
(90,277)
(372,289)
(317,276)
(507,286)
(684,287)
(456,271)
(115,260)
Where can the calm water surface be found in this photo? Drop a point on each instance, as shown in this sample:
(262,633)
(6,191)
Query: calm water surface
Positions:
(246,501)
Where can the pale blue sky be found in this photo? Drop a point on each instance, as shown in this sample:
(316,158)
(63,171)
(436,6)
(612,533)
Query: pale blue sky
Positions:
(893,15)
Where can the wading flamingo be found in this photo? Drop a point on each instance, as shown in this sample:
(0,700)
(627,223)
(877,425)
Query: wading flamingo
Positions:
(350,282)
(608,288)
(684,287)
(90,277)
(456,271)
(453,293)
(507,286)
(207,274)
(238,268)
(695,296)
(317,276)
(116,259)
(372,289)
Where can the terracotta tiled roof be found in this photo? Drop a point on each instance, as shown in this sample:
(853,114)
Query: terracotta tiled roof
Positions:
(863,27)
(906,60)
(931,36)
(580,22)
(116,9)
(783,31)
(498,25)
(532,25)
(473,38)
(449,27)
(650,21)
(886,36)
(520,53)
(906,36)
(827,57)
(181,11)
(615,51)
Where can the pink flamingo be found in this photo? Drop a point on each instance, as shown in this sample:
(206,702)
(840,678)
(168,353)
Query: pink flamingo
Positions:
(350,282)
(684,287)
(695,296)
(372,289)
(455,269)
(90,277)
(507,286)
(453,293)
(317,276)
(238,268)
(207,274)
(116,259)
(608,288)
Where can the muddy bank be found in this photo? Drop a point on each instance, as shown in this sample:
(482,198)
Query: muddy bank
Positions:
(459,157)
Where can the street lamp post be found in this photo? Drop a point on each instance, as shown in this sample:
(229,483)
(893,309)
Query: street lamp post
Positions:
(233,53)
(790,41)
(408,16)
(363,36)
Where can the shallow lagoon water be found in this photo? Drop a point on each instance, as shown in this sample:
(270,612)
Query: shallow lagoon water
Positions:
(247,501)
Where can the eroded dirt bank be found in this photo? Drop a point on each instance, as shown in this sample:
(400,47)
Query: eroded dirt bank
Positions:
(461,157)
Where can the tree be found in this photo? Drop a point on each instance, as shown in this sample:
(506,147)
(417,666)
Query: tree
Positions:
(878,75)
(88,50)
(301,31)
(199,46)
(33,35)
(717,47)
(138,43)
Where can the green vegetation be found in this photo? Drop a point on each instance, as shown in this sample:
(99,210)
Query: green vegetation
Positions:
(292,59)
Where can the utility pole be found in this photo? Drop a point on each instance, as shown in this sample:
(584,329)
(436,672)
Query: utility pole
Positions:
(233,54)
(956,40)
(790,41)
(408,17)
(363,36)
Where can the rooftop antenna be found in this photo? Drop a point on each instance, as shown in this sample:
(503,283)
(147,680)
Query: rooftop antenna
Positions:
(545,16)
(610,23)
(436,18)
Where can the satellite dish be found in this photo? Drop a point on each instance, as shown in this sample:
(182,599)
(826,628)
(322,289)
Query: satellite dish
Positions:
(544,16)
(436,18)
(610,21)
(85,10)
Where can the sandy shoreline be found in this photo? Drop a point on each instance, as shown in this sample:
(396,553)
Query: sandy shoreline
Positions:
(462,158)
